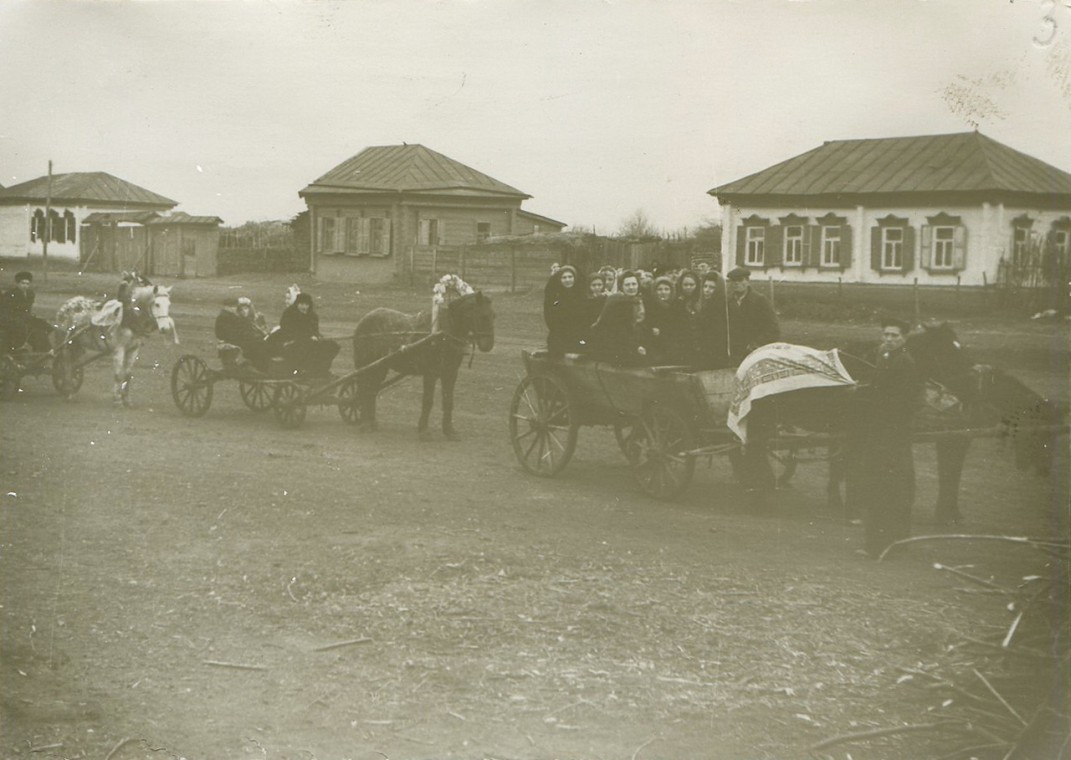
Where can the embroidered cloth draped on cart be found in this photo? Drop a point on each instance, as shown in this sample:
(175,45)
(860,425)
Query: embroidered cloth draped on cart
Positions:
(779,368)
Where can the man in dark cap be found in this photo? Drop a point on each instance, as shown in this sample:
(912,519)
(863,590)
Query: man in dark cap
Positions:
(752,320)
(884,484)
(17,322)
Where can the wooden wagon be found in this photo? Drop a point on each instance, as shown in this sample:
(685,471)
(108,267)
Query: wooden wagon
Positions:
(663,417)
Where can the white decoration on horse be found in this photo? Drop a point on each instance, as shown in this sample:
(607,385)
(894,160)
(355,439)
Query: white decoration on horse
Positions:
(438,295)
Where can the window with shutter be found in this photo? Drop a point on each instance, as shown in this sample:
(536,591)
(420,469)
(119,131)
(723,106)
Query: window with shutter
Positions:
(327,234)
(892,245)
(831,243)
(792,248)
(377,236)
(755,246)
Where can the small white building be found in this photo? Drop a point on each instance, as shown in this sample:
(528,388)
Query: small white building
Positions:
(942,209)
(74,196)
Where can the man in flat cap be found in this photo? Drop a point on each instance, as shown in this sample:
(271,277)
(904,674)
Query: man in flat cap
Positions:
(884,472)
(752,320)
(17,322)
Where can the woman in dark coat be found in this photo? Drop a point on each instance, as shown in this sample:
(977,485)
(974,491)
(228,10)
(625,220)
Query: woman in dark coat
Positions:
(565,311)
(596,298)
(713,348)
(668,324)
(299,340)
(617,338)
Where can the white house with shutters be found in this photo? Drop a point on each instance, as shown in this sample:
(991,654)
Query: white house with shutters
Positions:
(32,211)
(940,209)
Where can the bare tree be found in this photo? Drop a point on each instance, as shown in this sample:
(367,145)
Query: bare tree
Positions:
(637,225)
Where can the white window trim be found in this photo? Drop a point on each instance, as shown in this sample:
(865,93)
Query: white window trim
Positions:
(823,260)
(754,255)
(793,244)
(896,246)
(947,244)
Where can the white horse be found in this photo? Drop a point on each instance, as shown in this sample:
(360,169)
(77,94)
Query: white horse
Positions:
(103,328)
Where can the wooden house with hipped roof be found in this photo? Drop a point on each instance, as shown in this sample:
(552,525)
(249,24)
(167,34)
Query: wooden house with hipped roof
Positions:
(369,213)
(939,209)
(74,196)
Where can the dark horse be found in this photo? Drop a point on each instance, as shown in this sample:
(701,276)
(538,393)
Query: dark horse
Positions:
(385,332)
(980,396)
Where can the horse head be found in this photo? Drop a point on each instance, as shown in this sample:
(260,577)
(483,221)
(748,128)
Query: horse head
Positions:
(154,302)
(940,356)
(472,317)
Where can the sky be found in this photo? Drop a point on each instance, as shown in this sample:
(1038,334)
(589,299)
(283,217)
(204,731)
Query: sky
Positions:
(596,108)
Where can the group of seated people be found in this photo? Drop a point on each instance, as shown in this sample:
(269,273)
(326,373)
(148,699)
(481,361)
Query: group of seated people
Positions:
(633,319)
(296,345)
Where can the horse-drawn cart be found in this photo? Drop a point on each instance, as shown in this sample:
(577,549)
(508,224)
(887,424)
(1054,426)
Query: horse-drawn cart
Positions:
(65,372)
(288,393)
(663,417)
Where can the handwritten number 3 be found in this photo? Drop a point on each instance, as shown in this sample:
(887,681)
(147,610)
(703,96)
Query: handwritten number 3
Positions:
(1048,22)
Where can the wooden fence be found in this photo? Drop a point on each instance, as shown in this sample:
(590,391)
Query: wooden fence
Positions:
(238,260)
(522,264)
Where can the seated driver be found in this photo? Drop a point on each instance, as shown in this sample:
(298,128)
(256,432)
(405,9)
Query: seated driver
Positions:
(235,325)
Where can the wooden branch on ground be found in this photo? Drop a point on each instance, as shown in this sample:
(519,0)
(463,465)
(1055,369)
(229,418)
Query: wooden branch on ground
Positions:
(860,735)
(339,644)
(235,665)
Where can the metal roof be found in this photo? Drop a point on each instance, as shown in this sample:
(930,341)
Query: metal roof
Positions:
(408,169)
(84,187)
(181,217)
(540,218)
(110,217)
(961,162)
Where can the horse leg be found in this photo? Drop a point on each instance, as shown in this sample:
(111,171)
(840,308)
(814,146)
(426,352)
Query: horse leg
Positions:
(951,455)
(426,402)
(118,373)
(449,380)
(128,372)
(367,391)
(837,473)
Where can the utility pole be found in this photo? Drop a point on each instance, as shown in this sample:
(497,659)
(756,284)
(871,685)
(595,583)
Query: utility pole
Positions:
(48,223)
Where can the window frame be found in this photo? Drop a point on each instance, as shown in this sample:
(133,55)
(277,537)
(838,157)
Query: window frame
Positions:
(792,245)
(894,247)
(754,244)
(943,247)
(824,239)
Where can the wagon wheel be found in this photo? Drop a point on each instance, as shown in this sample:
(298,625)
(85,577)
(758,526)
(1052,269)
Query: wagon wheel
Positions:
(542,425)
(191,387)
(255,395)
(10,377)
(348,403)
(289,405)
(657,449)
(67,376)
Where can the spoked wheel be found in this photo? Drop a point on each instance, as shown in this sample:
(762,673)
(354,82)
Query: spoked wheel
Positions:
(191,386)
(289,405)
(657,449)
(348,404)
(10,377)
(67,376)
(255,395)
(542,425)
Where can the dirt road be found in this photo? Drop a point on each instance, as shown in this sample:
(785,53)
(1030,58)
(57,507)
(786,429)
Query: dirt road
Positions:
(220,587)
